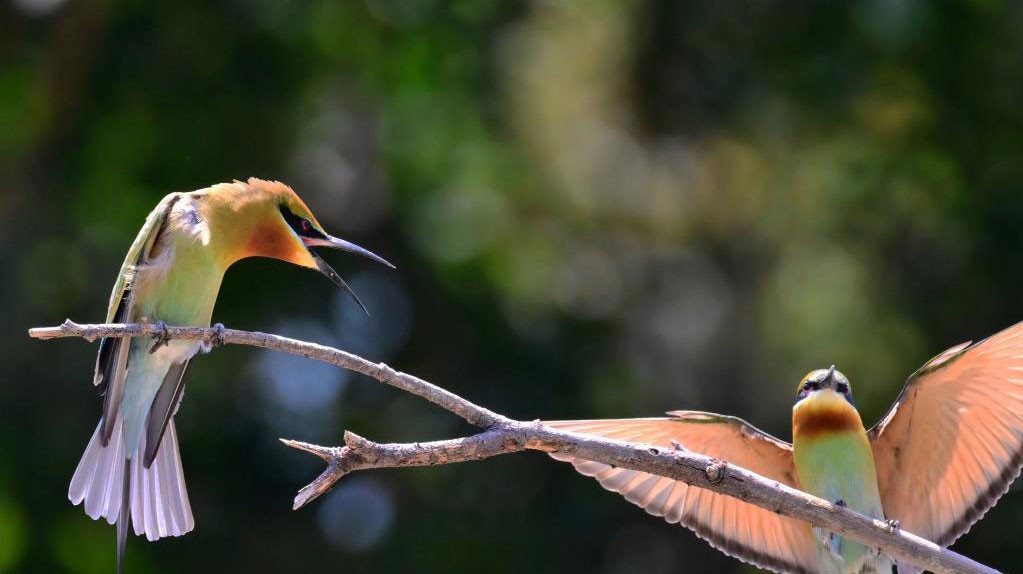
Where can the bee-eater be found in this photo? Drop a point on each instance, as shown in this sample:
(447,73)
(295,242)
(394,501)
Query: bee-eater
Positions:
(948,448)
(131,470)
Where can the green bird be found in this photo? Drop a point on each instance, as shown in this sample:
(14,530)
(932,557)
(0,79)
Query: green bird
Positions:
(131,471)
(945,452)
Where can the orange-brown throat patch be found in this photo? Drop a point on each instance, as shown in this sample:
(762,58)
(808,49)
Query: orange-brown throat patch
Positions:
(824,412)
(272,239)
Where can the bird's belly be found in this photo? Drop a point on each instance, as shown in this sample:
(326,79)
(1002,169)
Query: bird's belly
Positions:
(840,469)
(145,374)
(174,351)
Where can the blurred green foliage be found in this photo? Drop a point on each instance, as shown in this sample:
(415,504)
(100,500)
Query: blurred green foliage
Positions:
(597,209)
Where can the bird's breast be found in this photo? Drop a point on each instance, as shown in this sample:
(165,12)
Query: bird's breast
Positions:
(179,287)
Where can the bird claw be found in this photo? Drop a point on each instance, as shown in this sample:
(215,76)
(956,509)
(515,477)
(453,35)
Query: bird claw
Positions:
(162,339)
(893,525)
(215,340)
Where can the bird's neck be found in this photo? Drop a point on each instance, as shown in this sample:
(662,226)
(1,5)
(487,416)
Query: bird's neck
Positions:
(824,412)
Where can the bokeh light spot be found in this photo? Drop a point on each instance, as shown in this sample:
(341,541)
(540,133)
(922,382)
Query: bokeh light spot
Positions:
(356,515)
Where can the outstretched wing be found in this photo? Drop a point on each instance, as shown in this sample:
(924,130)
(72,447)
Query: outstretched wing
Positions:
(112,360)
(952,443)
(747,532)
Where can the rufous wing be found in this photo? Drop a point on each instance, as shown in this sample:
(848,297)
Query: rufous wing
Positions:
(952,443)
(741,530)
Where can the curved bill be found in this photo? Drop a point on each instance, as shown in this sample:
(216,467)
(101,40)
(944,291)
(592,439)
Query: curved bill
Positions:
(327,270)
(337,243)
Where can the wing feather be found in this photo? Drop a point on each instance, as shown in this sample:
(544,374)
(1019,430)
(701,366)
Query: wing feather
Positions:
(165,405)
(112,359)
(952,443)
(749,533)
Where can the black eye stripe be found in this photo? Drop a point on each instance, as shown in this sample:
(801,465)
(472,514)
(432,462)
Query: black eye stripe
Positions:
(300,225)
(840,385)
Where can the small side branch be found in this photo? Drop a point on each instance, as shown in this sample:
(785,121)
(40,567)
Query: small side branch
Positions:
(504,435)
(362,454)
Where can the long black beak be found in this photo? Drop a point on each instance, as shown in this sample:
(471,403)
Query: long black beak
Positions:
(326,269)
(338,243)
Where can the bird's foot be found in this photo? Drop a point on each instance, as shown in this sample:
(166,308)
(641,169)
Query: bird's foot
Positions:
(840,502)
(215,340)
(162,339)
(893,525)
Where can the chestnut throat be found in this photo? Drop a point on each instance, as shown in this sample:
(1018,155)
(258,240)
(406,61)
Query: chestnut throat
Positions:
(809,421)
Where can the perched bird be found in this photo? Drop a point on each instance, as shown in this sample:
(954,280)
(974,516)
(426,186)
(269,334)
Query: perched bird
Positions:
(944,453)
(131,469)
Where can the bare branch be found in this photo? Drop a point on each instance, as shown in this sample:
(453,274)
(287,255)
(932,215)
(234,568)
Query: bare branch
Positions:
(474,414)
(505,435)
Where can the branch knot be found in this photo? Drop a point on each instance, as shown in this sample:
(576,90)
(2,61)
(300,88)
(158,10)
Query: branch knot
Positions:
(716,471)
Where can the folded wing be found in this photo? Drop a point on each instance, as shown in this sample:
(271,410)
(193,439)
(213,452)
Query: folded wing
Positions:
(953,442)
(112,360)
(738,529)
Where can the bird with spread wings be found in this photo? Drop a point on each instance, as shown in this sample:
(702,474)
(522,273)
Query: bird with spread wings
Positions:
(949,447)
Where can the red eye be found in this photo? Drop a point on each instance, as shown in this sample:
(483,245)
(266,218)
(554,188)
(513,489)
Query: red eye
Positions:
(307,227)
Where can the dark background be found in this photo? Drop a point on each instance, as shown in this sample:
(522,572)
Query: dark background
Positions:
(598,209)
